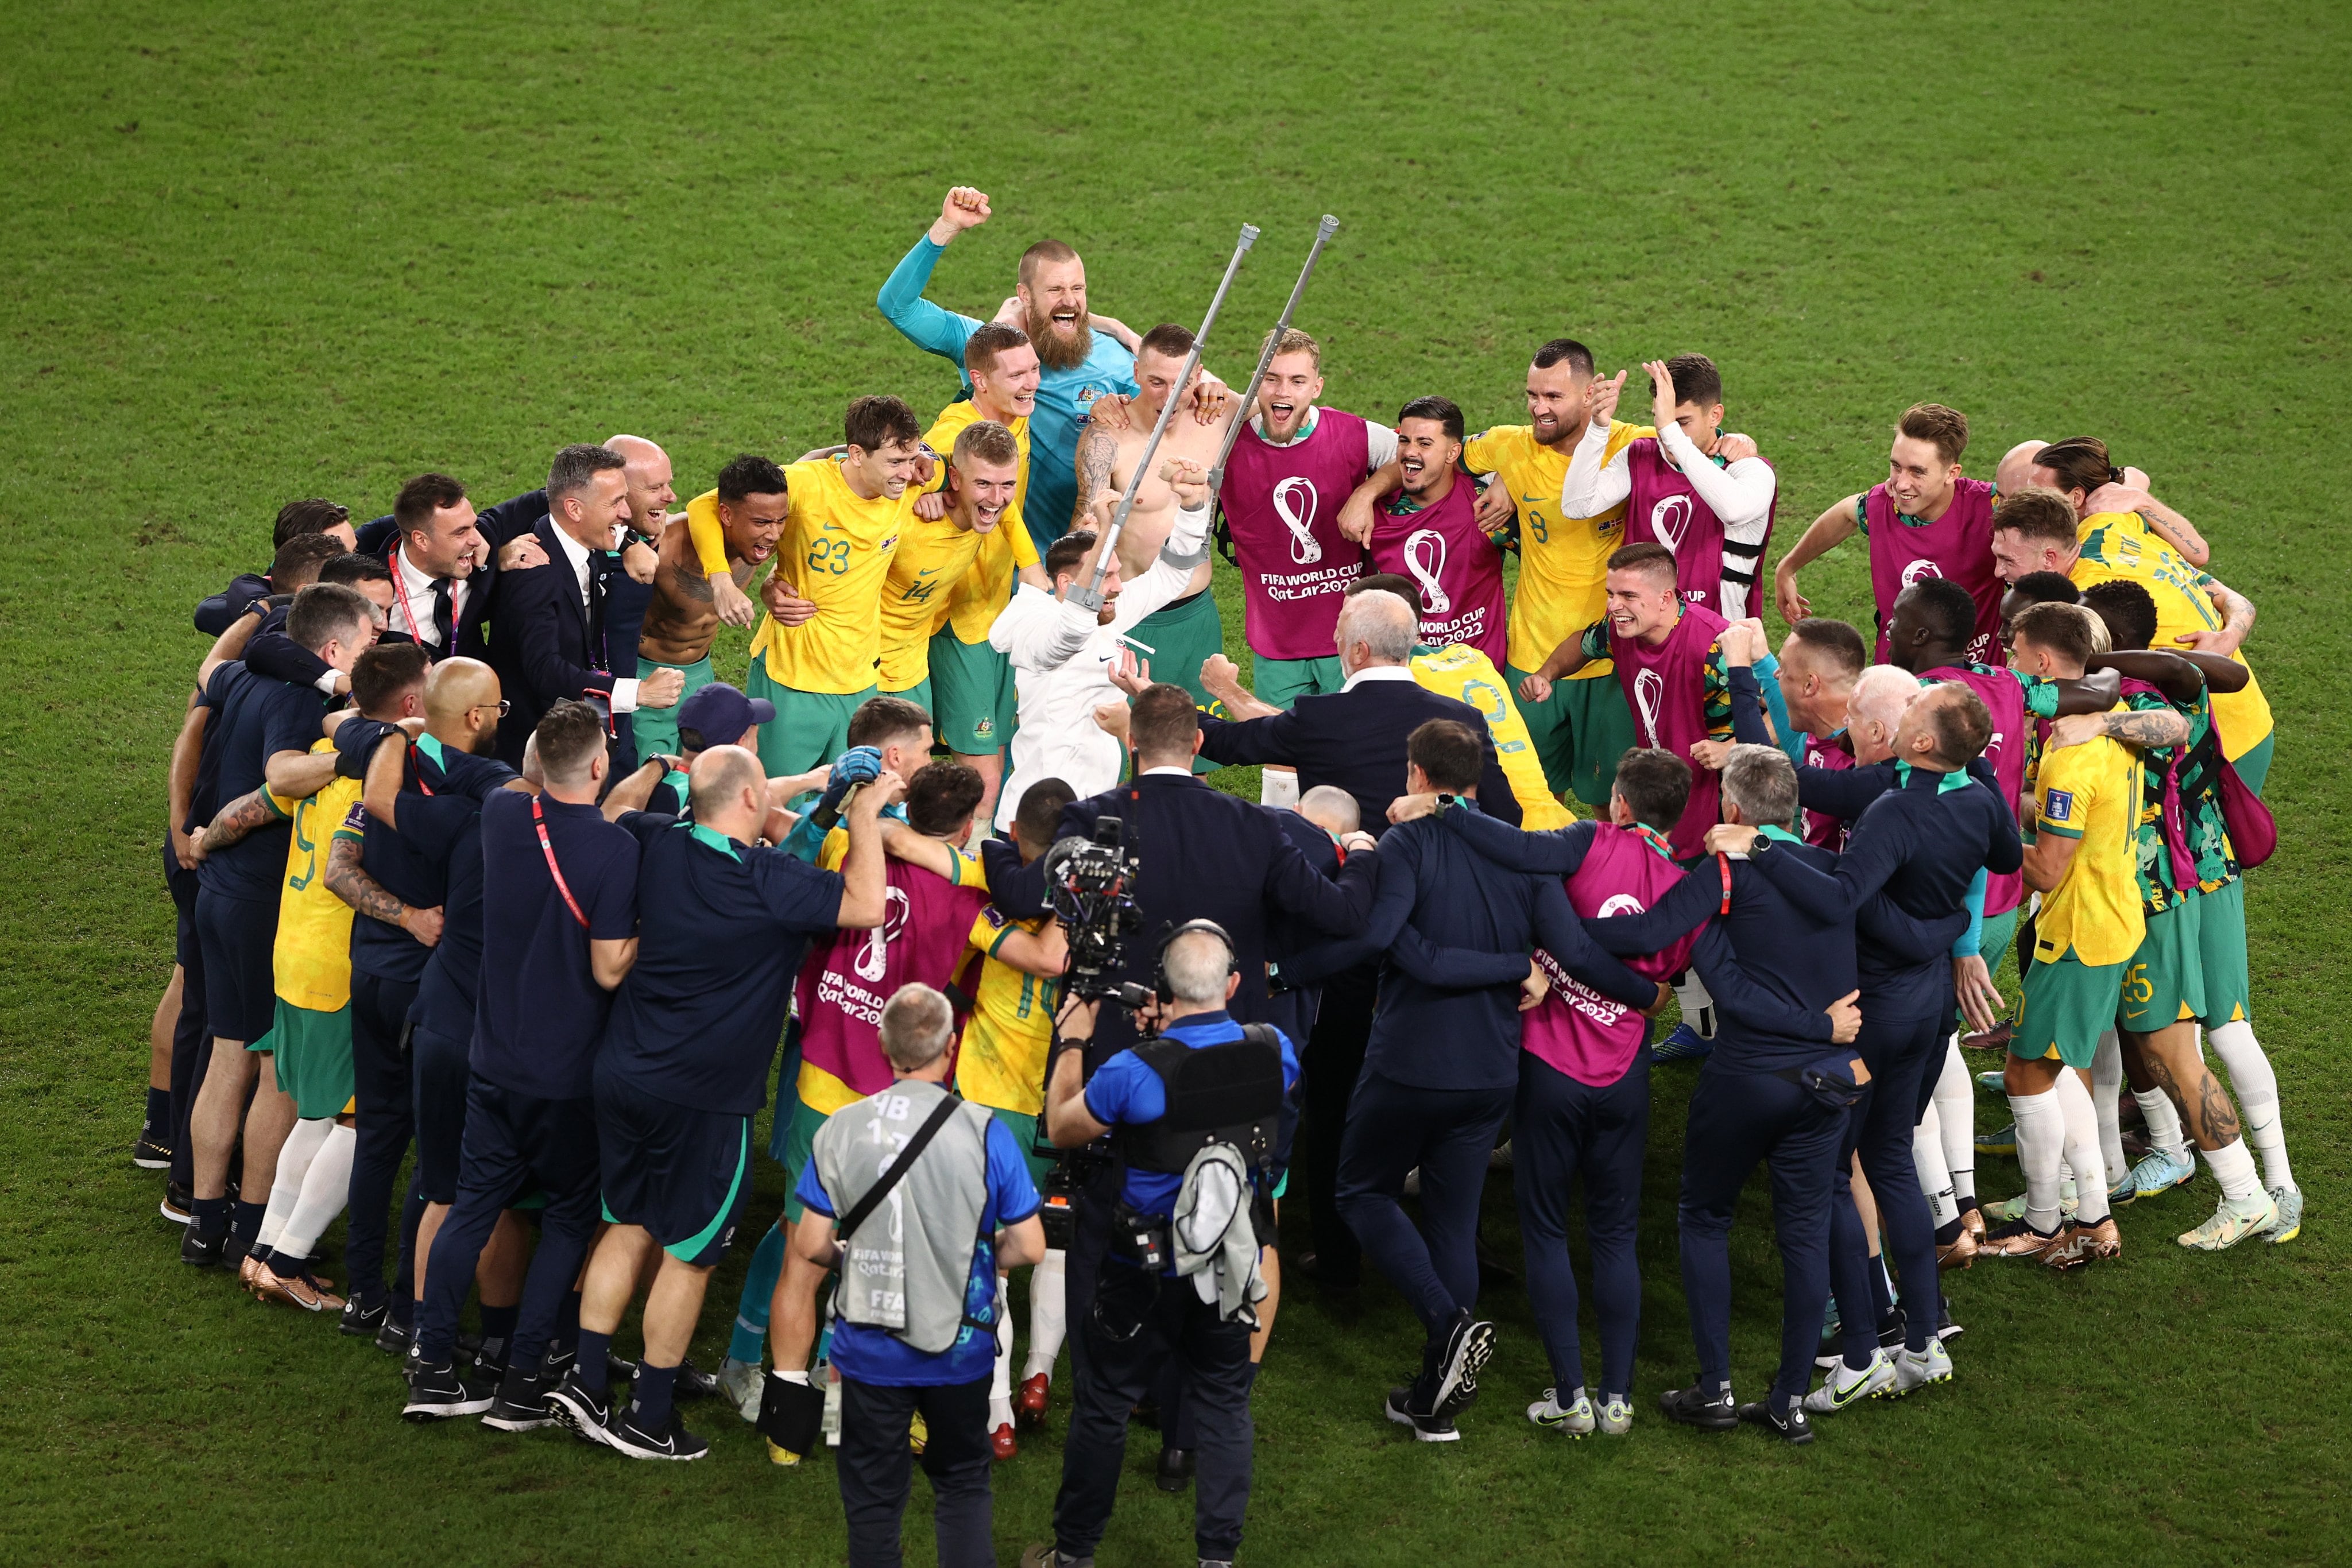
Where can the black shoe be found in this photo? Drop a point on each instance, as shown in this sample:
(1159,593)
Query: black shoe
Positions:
(362,1321)
(394,1338)
(488,1360)
(1790,1422)
(587,1416)
(177,1206)
(234,1248)
(693,1382)
(1890,1332)
(521,1404)
(1175,1470)
(619,1368)
(202,1248)
(1410,1406)
(672,1442)
(438,1393)
(1695,1406)
(1466,1347)
(1945,1329)
(150,1156)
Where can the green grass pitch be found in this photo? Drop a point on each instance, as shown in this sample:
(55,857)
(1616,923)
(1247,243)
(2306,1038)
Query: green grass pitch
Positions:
(252,252)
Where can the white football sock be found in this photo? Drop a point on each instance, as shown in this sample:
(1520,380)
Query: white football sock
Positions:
(1000,1382)
(2083,1149)
(326,1187)
(2233,1165)
(2256,1087)
(2041,1144)
(2107,1099)
(1049,1322)
(302,1146)
(1699,1007)
(2163,1119)
(1956,1115)
(1927,1159)
(1278,787)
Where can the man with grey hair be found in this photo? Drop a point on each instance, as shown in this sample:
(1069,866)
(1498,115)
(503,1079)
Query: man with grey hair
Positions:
(919,1199)
(551,639)
(1355,738)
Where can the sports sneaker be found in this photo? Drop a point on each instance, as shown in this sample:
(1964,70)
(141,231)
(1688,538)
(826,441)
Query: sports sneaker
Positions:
(2101,1241)
(1406,1408)
(1958,1252)
(1695,1406)
(2123,1192)
(1849,1385)
(176,1204)
(2009,1210)
(919,1434)
(1615,1417)
(436,1393)
(2289,1223)
(1029,1404)
(693,1382)
(1468,1345)
(2003,1142)
(1972,1219)
(1003,1444)
(2160,1172)
(362,1321)
(522,1403)
(1994,1039)
(1830,1351)
(299,1289)
(2232,1223)
(672,1442)
(1917,1369)
(2018,1240)
(739,1382)
(587,1416)
(1575,1419)
(1945,1327)
(1681,1044)
(1788,1421)
(150,1156)
(394,1337)
(1993,1083)
(202,1248)
(777,1456)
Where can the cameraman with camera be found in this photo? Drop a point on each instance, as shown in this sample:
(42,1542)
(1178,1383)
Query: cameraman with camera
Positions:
(1190,1118)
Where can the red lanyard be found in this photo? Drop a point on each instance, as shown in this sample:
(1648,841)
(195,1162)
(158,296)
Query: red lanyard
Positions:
(538,820)
(400,582)
(1722,863)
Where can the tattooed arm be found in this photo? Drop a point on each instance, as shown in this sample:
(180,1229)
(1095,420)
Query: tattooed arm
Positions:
(350,882)
(2144,728)
(238,818)
(1096,452)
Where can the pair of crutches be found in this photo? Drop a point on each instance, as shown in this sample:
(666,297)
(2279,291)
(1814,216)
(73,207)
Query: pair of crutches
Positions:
(1090,594)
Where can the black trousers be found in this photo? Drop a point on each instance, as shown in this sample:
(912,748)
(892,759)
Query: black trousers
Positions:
(1115,1374)
(191,1043)
(386,1121)
(1334,1061)
(877,1472)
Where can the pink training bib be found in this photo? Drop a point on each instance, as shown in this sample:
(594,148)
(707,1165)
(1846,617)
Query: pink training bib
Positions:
(1457,569)
(1667,688)
(1282,507)
(844,981)
(2005,700)
(1956,546)
(1820,827)
(1590,1037)
(1664,509)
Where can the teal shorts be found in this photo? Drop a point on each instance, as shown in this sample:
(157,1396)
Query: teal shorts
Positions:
(972,685)
(810,728)
(1182,637)
(1282,682)
(920,694)
(2066,1006)
(1579,732)
(313,1052)
(2221,941)
(655,728)
(1996,937)
(2164,980)
(800,1146)
(2255,767)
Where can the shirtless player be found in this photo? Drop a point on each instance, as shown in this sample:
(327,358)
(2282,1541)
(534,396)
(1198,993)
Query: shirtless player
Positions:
(1186,634)
(750,505)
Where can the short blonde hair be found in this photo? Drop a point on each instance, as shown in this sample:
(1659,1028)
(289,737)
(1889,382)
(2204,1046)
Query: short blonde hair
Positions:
(1293,341)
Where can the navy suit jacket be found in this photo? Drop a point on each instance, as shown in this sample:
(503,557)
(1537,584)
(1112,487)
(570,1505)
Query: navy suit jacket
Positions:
(1205,855)
(380,536)
(1356,739)
(543,644)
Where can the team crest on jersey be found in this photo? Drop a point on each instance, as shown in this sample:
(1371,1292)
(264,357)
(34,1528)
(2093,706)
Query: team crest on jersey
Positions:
(984,728)
(1918,571)
(2058,806)
(1670,519)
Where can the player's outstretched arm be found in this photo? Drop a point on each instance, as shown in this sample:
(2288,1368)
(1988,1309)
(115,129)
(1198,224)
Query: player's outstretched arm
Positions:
(1831,529)
(902,301)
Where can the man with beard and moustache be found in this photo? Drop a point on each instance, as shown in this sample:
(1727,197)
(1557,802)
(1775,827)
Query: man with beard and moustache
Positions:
(934,554)
(1924,521)
(1430,534)
(1083,356)
(1181,636)
(747,507)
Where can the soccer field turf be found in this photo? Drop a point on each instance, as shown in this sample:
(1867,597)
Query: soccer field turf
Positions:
(253,253)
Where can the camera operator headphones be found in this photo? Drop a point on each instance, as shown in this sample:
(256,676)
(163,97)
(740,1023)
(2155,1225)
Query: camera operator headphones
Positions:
(1159,959)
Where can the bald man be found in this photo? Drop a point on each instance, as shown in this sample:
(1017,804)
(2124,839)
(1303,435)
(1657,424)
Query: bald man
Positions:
(397,877)
(629,592)
(2126,491)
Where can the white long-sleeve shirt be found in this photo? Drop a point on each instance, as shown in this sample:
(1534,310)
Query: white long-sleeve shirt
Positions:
(1740,494)
(1062,659)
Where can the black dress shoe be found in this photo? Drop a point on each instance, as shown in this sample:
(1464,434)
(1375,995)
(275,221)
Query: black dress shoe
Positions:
(1175,1470)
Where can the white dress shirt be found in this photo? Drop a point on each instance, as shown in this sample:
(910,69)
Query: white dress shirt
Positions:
(1377,673)
(1062,659)
(417,589)
(625,689)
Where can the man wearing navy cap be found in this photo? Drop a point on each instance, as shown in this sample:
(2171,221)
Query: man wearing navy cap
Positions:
(715,714)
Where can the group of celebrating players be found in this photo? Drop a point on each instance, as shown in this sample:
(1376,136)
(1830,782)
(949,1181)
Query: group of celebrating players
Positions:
(473,850)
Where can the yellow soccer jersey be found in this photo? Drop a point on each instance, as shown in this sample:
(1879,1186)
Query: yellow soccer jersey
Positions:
(312,958)
(987,587)
(1462,672)
(1002,1060)
(2118,546)
(933,557)
(835,849)
(836,550)
(709,536)
(1563,562)
(2091,793)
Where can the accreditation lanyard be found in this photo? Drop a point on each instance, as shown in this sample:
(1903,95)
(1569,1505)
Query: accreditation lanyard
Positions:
(538,820)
